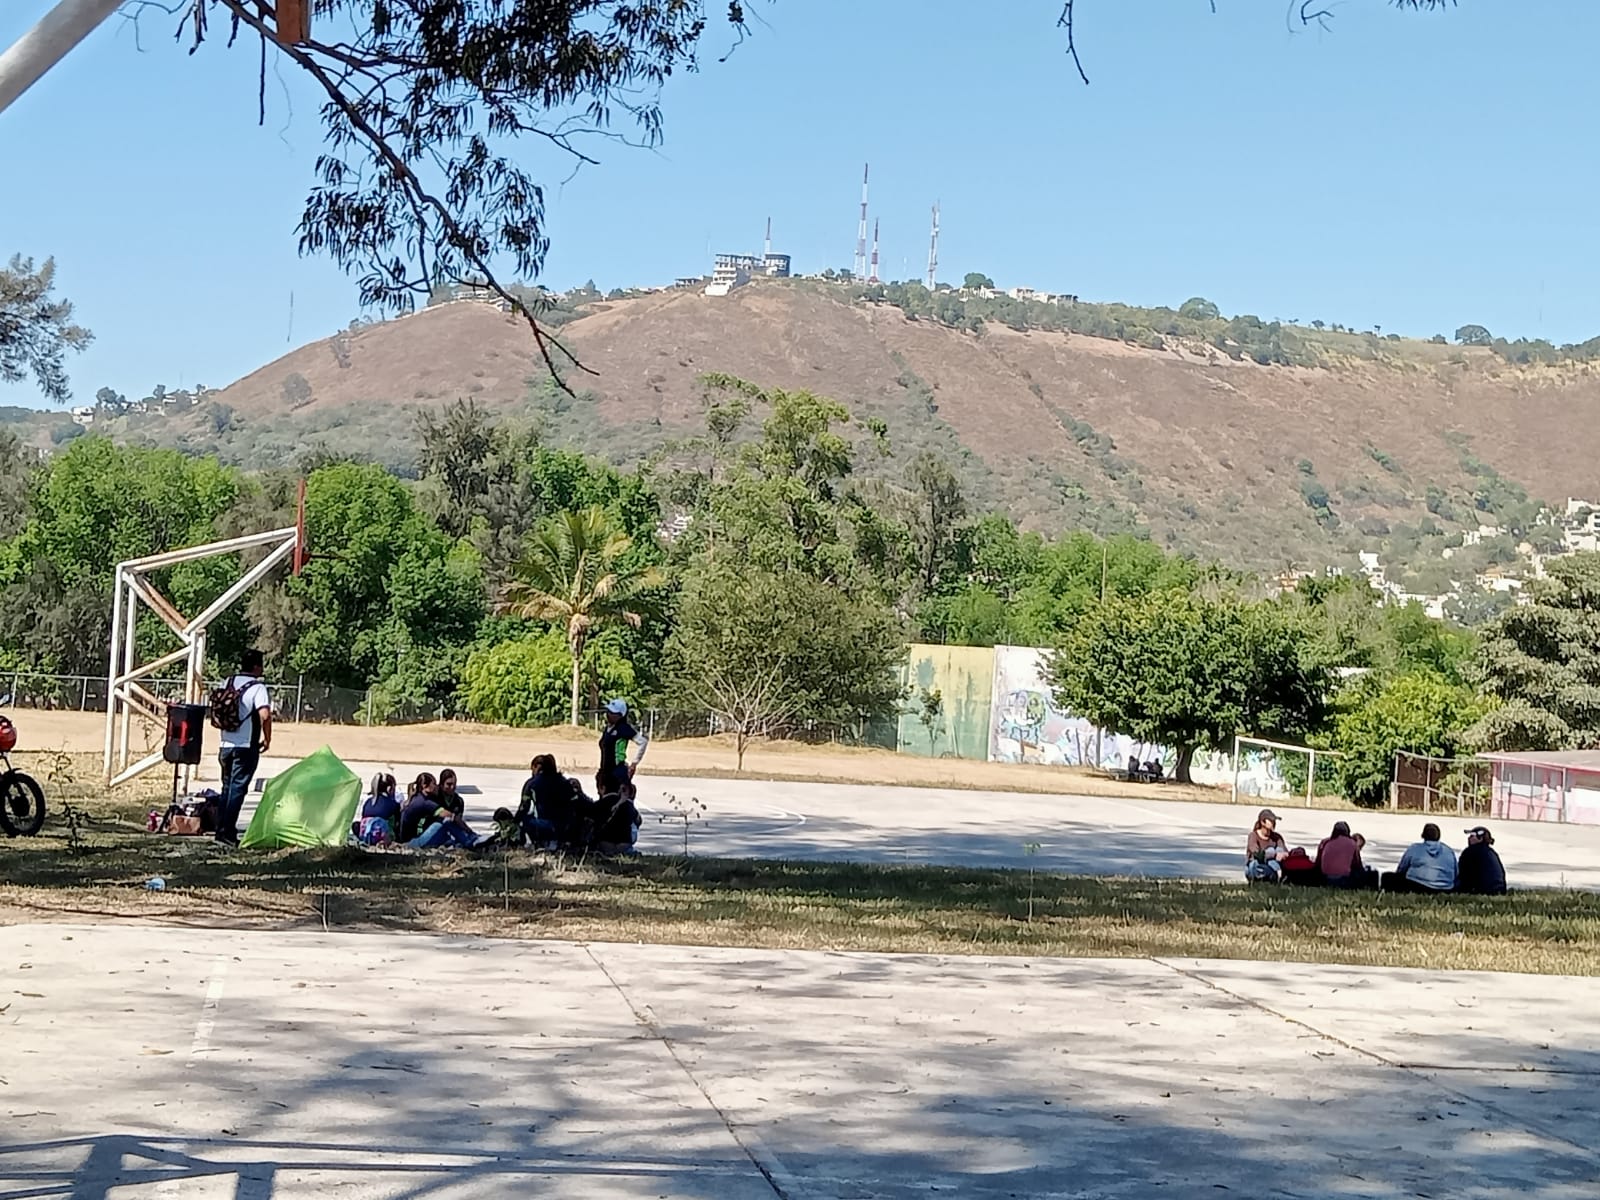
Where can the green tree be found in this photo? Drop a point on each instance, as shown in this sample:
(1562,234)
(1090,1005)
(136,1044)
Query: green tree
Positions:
(763,650)
(940,504)
(1474,335)
(1541,662)
(36,330)
(462,453)
(976,280)
(524,681)
(1416,714)
(1189,672)
(1198,308)
(360,523)
(573,576)
(296,390)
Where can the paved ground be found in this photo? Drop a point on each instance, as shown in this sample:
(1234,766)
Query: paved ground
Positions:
(141,1062)
(1078,834)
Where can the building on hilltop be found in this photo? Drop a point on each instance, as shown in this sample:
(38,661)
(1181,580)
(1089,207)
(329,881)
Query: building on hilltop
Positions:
(735,270)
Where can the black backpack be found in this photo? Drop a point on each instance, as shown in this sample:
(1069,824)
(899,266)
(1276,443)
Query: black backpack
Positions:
(225,704)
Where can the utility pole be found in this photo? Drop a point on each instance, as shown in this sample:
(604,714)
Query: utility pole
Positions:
(47,43)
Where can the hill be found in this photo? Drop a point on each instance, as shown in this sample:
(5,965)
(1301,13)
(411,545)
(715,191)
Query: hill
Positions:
(1397,446)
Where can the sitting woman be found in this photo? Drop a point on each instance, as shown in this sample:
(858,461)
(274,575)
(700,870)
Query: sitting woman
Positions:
(424,822)
(449,797)
(1264,849)
(379,822)
(1339,858)
(545,813)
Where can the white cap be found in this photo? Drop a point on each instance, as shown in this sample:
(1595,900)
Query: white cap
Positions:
(620,707)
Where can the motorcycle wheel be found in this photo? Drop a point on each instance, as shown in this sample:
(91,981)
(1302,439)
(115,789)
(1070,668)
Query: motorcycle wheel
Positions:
(21,804)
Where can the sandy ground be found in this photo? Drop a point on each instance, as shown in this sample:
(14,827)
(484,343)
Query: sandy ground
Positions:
(462,744)
(163,1063)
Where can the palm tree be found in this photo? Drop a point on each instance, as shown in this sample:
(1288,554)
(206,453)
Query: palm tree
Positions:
(570,575)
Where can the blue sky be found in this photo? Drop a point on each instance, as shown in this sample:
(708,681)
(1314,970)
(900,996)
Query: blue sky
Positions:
(1413,171)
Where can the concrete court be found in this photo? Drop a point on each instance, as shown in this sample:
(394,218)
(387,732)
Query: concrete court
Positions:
(1080,835)
(173,1063)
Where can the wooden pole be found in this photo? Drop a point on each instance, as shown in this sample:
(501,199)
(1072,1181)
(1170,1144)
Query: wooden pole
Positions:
(294,22)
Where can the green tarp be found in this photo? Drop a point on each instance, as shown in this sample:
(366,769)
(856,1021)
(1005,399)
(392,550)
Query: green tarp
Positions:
(310,804)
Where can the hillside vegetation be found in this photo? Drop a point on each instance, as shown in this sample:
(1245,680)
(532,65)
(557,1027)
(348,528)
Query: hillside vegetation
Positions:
(1260,444)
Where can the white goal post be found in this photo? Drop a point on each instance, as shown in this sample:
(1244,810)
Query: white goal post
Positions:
(126,695)
(1241,743)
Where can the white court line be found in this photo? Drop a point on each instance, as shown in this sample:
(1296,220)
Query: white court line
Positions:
(203,1028)
(201,1044)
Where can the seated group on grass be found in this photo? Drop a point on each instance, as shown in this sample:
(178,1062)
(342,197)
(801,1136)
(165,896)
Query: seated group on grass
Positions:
(554,814)
(1428,866)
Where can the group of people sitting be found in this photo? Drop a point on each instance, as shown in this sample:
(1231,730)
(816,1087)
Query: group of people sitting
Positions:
(554,812)
(1428,866)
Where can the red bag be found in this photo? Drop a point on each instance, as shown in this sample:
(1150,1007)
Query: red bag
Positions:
(1299,860)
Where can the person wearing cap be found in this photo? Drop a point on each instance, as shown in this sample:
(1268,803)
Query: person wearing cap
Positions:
(1479,871)
(615,776)
(1264,849)
(1428,866)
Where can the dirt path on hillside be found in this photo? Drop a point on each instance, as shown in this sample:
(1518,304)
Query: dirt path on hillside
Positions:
(469,745)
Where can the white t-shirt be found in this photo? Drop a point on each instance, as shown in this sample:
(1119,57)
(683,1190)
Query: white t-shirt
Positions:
(253,695)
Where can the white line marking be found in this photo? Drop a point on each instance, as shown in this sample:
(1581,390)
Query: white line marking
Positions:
(208,1010)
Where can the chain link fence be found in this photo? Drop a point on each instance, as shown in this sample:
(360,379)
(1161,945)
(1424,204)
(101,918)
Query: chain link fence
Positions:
(307,701)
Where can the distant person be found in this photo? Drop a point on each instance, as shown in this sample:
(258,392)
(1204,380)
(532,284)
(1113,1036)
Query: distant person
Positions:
(1427,866)
(615,776)
(1264,849)
(449,795)
(1339,858)
(424,822)
(545,812)
(1479,872)
(241,709)
(379,823)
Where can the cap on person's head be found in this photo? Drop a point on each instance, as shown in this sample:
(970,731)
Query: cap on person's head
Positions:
(1266,814)
(252,660)
(1481,831)
(1430,832)
(619,707)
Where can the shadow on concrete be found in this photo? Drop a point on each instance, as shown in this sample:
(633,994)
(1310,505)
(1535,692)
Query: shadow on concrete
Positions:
(961,1083)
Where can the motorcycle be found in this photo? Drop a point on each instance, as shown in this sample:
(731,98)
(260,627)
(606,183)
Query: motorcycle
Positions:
(21,797)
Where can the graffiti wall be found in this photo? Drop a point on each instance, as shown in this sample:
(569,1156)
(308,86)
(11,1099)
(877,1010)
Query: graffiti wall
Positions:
(958,725)
(1025,725)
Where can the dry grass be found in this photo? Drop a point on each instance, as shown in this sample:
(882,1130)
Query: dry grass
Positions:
(821,906)
(468,745)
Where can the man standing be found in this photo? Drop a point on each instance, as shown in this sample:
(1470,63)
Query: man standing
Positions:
(1480,871)
(615,776)
(242,710)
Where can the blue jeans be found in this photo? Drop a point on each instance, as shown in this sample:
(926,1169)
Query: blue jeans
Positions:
(444,833)
(539,832)
(238,770)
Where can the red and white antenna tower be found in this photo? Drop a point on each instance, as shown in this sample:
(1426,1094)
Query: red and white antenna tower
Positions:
(860,268)
(872,276)
(933,248)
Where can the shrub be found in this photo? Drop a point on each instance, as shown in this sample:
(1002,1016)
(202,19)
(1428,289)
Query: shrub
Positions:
(527,682)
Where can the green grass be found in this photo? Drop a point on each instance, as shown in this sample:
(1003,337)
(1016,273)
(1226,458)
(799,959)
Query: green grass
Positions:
(805,905)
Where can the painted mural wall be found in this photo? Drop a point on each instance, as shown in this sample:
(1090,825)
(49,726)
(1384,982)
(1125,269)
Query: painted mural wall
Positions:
(1027,727)
(964,678)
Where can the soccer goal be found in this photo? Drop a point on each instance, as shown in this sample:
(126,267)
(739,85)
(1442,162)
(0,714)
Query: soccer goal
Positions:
(1272,770)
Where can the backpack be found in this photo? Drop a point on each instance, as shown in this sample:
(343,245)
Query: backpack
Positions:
(225,704)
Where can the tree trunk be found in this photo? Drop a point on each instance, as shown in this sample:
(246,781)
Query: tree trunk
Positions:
(575,644)
(1180,773)
(741,739)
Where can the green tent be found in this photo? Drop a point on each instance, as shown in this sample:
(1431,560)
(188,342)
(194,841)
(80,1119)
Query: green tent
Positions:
(310,804)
